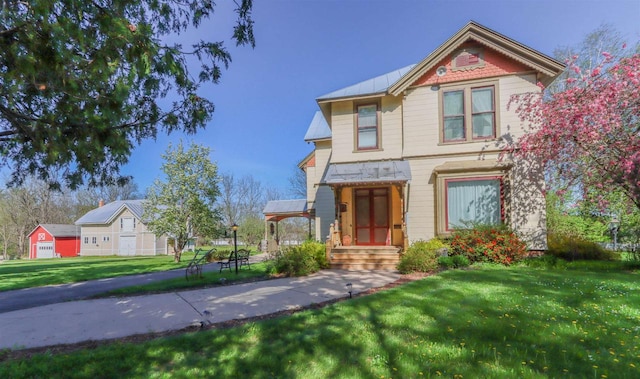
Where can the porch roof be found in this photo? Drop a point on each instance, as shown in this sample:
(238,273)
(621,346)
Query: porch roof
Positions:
(368,172)
(277,210)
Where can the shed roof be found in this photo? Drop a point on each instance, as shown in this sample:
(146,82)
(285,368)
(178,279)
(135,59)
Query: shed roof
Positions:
(106,213)
(368,172)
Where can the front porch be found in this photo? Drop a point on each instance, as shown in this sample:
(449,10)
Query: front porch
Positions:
(364,257)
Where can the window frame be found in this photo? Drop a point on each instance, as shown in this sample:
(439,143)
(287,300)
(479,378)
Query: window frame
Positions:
(447,181)
(467,90)
(443,177)
(357,129)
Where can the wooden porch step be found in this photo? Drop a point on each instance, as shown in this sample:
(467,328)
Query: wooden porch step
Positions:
(364,266)
(364,261)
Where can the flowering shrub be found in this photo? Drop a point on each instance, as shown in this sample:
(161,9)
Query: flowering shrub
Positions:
(421,256)
(484,243)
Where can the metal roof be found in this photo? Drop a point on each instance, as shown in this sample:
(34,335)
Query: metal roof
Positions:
(106,213)
(368,172)
(377,85)
(318,129)
(60,230)
(285,206)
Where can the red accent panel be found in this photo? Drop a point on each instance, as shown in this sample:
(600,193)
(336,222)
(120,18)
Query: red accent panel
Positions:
(495,64)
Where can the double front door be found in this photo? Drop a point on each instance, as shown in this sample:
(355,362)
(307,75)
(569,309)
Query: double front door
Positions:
(372,216)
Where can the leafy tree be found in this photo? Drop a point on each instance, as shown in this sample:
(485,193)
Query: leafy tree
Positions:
(182,206)
(83,81)
(589,134)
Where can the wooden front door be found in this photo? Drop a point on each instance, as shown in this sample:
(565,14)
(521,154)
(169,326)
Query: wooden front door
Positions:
(372,216)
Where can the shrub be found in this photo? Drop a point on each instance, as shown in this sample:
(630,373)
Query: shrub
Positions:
(219,255)
(576,248)
(421,256)
(453,261)
(486,243)
(300,260)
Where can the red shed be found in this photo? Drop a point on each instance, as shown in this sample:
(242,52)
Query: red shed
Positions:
(54,240)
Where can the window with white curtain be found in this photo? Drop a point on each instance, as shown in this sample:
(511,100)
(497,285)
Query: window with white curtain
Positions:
(475,200)
(468,113)
(367,120)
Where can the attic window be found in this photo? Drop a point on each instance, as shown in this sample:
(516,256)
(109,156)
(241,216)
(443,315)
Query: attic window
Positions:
(467,59)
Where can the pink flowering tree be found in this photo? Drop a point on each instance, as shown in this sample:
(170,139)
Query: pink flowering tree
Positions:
(588,135)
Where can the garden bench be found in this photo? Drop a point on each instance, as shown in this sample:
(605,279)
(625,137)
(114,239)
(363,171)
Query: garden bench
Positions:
(199,259)
(243,260)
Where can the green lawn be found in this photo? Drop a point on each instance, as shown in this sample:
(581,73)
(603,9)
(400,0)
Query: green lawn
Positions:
(39,272)
(488,322)
(208,279)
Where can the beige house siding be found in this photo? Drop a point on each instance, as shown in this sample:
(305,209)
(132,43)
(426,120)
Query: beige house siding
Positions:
(422,121)
(343,129)
(108,238)
(320,197)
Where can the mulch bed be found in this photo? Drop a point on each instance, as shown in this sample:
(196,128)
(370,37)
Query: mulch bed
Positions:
(6,355)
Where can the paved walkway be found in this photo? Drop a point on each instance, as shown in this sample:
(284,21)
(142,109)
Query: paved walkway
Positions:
(52,294)
(101,319)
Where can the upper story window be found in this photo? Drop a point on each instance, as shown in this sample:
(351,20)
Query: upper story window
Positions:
(127,224)
(367,125)
(469,113)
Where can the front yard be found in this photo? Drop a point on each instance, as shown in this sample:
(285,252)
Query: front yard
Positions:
(488,322)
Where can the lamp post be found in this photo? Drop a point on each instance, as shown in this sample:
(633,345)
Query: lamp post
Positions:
(614,226)
(234,227)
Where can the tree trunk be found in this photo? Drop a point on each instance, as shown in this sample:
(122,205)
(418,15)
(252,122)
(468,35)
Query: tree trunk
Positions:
(177,254)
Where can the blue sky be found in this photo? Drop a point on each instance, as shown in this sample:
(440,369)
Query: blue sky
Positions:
(307,48)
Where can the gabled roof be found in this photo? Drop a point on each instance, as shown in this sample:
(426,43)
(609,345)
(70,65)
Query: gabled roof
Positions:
(375,86)
(548,67)
(318,129)
(397,81)
(60,230)
(104,215)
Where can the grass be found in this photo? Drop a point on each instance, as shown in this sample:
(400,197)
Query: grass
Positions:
(209,279)
(34,273)
(484,323)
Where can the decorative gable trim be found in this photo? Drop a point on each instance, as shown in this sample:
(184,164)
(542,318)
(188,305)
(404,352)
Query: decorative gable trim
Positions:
(548,67)
(467,59)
